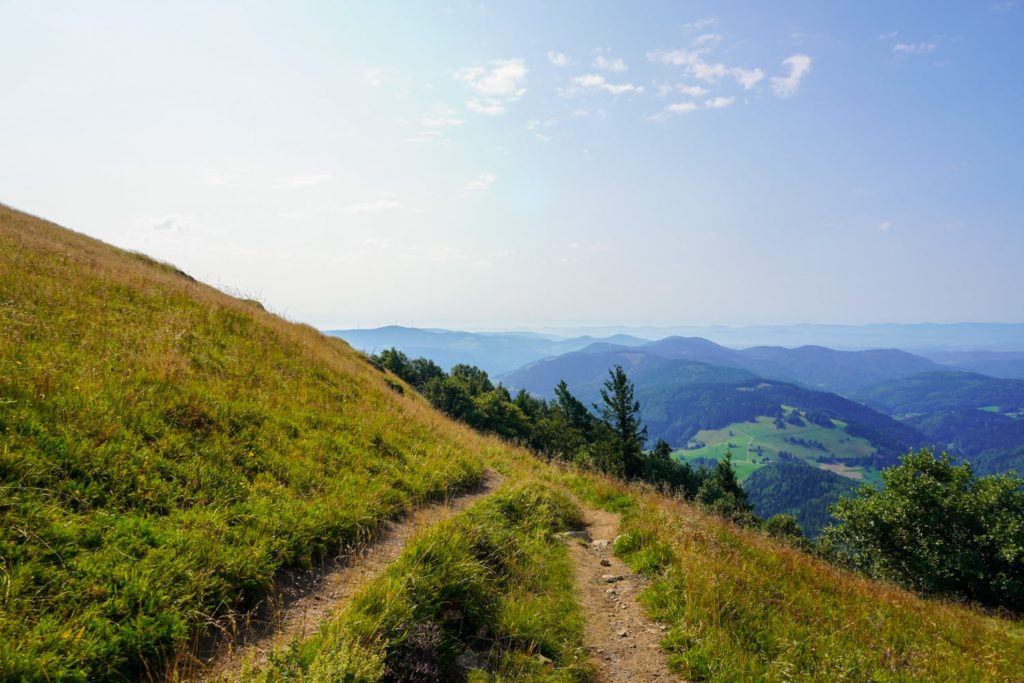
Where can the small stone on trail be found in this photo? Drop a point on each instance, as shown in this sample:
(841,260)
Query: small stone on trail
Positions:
(599,545)
(605,562)
(578,535)
(622,633)
(467,660)
(612,578)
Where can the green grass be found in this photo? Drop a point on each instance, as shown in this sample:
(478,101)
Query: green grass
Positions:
(741,607)
(742,438)
(165,449)
(494,581)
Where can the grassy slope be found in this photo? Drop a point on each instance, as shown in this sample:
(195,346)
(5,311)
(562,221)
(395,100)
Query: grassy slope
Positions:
(743,607)
(165,448)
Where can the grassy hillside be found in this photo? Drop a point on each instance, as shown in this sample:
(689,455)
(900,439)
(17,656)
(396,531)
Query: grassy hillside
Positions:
(164,449)
(741,607)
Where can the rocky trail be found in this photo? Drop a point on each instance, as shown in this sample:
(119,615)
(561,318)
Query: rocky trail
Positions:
(303,599)
(623,642)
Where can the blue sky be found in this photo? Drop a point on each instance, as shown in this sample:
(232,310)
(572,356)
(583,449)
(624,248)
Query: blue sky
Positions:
(486,165)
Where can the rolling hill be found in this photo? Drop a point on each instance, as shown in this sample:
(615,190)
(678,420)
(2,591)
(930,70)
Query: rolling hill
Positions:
(815,367)
(980,418)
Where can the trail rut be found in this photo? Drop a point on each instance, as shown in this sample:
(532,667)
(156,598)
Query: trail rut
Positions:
(623,642)
(305,599)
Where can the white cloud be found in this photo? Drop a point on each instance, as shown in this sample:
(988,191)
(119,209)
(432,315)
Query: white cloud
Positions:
(701,24)
(748,78)
(913,48)
(309,180)
(788,85)
(615,65)
(692,61)
(501,78)
(558,59)
(1004,6)
(707,39)
(370,207)
(692,90)
(535,126)
(889,35)
(168,224)
(598,82)
(719,102)
(479,184)
(376,76)
(443,118)
(491,107)
(885,225)
(677,109)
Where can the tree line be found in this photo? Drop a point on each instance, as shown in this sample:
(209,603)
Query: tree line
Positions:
(609,436)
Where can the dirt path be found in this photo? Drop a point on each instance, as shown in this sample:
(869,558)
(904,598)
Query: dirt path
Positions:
(307,598)
(622,640)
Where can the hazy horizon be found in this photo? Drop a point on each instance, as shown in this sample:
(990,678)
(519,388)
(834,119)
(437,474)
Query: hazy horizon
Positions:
(483,166)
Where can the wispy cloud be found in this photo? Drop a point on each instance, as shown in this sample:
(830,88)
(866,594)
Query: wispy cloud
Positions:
(443,117)
(701,24)
(308,180)
(168,224)
(748,78)
(884,225)
(788,85)
(558,59)
(377,76)
(598,82)
(490,107)
(615,65)
(535,126)
(499,82)
(377,206)
(914,48)
(500,78)
(719,102)
(677,109)
(478,184)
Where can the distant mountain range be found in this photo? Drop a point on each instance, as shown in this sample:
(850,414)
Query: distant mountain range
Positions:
(497,353)
(812,366)
(818,360)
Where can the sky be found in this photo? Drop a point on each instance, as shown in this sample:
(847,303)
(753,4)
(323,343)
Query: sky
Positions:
(537,164)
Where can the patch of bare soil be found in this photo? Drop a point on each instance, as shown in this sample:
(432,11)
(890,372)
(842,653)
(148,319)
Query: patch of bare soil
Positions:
(303,599)
(623,642)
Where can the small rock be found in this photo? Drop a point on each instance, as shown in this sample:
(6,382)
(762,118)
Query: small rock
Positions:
(599,545)
(577,535)
(622,633)
(468,660)
(611,591)
(543,660)
(611,578)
